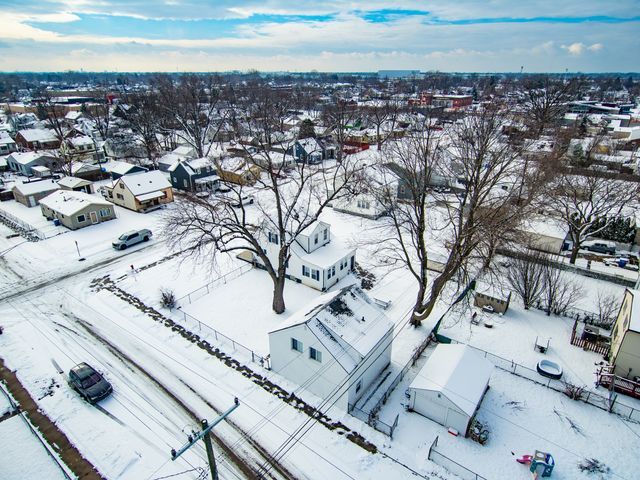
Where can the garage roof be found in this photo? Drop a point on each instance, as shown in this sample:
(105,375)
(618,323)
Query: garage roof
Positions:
(458,372)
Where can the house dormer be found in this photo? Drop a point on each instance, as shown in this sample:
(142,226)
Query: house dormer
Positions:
(314,236)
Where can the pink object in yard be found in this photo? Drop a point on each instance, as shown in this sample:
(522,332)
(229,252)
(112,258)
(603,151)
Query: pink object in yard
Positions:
(453,431)
(525,459)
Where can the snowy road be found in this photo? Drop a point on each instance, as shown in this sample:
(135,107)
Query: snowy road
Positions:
(130,434)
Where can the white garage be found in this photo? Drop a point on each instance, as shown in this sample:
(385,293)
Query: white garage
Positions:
(450,386)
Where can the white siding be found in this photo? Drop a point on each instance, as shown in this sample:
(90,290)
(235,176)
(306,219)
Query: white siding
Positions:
(437,407)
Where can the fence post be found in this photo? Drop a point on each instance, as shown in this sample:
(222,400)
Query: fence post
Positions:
(207,289)
(189,297)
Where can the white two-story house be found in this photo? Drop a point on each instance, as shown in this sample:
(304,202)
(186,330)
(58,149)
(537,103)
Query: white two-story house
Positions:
(317,259)
(336,346)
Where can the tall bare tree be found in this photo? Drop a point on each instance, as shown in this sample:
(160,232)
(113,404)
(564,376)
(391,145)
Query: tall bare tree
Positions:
(53,114)
(487,204)
(288,198)
(545,102)
(525,276)
(141,111)
(192,104)
(587,204)
(560,291)
(339,116)
(384,117)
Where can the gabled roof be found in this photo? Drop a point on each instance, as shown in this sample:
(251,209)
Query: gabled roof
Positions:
(120,168)
(141,183)
(69,202)
(73,182)
(25,158)
(308,231)
(458,372)
(346,322)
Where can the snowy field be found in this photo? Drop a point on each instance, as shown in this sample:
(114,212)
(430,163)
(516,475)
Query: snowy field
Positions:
(23,456)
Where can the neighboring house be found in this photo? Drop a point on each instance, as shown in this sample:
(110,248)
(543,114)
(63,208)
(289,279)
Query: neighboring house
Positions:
(119,169)
(168,160)
(23,162)
(3,164)
(76,184)
(80,147)
(76,210)
(73,117)
(30,193)
(451,386)
(21,121)
(625,338)
(40,171)
(37,139)
(336,346)
(140,192)
(237,170)
(312,150)
(317,259)
(88,171)
(378,193)
(543,233)
(7,144)
(487,294)
(196,175)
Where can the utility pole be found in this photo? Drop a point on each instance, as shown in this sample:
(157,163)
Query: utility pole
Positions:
(204,434)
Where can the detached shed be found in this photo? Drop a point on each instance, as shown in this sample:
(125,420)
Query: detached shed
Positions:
(451,386)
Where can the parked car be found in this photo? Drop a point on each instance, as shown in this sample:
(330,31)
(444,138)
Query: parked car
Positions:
(131,238)
(244,200)
(601,247)
(91,386)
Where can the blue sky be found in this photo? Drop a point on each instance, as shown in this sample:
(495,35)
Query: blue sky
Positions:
(332,35)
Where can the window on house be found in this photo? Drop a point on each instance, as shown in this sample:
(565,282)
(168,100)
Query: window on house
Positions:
(315,274)
(105,212)
(273,238)
(326,233)
(121,185)
(120,196)
(184,182)
(359,386)
(315,354)
(328,274)
(333,270)
(315,239)
(81,218)
(305,271)
(296,345)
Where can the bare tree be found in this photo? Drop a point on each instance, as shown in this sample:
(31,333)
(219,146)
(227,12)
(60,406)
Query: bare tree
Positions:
(192,104)
(384,117)
(413,161)
(142,113)
(288,198)
(488,203)
(53,114)
(582,202)
(100,114)
(608,306)
(525,276)
(545,102)
(561,292)
(338,117)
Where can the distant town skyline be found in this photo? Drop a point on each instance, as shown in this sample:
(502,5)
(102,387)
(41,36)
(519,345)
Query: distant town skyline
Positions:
(334,35)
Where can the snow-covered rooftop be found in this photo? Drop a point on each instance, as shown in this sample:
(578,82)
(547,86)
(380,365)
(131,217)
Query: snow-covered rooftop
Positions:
(69,202)
(346,322)
(25,158)
(325,256)
(458,372)
(141,183)
(36,187)
(73,182)
(38,135)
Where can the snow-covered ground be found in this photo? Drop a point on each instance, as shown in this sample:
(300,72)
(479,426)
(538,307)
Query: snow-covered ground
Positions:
(23,456)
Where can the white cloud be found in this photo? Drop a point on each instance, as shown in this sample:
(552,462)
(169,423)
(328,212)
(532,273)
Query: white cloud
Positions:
(575,49)
(596,47)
